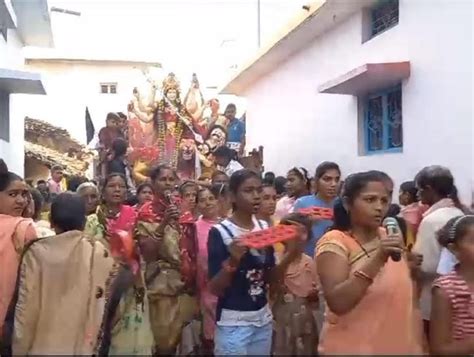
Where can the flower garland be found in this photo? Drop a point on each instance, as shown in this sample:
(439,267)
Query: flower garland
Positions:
(178,132)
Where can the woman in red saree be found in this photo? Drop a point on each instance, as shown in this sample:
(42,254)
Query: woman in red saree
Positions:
(166,235)
(15,232)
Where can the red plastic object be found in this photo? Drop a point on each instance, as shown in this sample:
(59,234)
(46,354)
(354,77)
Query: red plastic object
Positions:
(123,246)
(269,236)
(318,212)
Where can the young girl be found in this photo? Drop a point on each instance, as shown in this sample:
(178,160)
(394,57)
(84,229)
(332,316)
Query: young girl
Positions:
(144,194)
(239,277)
(295,298)
(369,296)
(452,313)
(326,182)
(298,185)
(15,232)
(268,205)
(207,203)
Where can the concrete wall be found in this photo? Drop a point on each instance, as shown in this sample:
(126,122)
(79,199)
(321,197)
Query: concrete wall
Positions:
(12,151)
(299,126)
(71,87)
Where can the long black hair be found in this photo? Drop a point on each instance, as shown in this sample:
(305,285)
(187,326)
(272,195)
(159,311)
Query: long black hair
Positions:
(353,185)
(7,177)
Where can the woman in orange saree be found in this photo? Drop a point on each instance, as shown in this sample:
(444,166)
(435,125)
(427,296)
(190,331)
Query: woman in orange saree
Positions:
(365,278)
(166,235)
(15,232)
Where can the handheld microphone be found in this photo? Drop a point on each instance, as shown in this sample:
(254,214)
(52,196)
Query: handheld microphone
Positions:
(169,197)
(392,227)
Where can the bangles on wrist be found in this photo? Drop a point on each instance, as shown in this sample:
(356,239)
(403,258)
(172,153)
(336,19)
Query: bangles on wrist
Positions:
(361,275)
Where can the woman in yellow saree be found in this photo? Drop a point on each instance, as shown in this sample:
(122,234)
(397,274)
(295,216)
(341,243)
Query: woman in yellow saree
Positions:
(166,234)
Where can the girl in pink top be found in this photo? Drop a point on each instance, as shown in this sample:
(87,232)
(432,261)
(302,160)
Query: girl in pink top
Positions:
(452,313)
(298,185)
(295,297)
(15,232)
(208,206)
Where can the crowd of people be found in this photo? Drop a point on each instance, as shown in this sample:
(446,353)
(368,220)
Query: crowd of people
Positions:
(91,270)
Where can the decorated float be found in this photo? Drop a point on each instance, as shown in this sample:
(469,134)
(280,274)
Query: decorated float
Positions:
(162,127)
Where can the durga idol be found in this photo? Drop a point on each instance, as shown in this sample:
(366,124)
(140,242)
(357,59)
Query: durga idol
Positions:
(170,120)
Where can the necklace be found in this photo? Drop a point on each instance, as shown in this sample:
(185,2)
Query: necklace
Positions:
(162,132)
(359,244)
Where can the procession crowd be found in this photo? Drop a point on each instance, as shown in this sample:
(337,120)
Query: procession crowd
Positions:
(164,269)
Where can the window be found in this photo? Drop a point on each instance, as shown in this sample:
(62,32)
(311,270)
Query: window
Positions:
(383,129)
(108,88)
(4,116)
(384,15)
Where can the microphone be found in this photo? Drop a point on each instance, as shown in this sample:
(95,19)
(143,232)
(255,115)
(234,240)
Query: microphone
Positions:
(392,227)
(169,197)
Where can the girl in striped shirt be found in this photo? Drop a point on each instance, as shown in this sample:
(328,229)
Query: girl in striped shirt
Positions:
(452,314)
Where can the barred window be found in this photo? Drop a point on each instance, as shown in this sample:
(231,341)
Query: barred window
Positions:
(108,88)
(383,126)
(384,15)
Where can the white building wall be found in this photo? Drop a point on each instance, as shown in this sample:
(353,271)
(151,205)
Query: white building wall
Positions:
(299,126)
(11,51)
(12,151)
(71,87)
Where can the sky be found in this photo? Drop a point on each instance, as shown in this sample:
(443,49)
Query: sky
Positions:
(208,37)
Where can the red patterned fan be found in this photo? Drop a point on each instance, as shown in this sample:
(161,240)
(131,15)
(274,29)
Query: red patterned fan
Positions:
(123,246)
(318,212)
(269,236)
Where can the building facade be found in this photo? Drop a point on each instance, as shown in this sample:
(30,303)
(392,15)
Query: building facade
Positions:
(22,23)
(74,84)
(369,84)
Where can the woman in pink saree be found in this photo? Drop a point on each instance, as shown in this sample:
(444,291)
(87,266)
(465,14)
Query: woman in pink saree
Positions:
(208,206)
(16,231)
